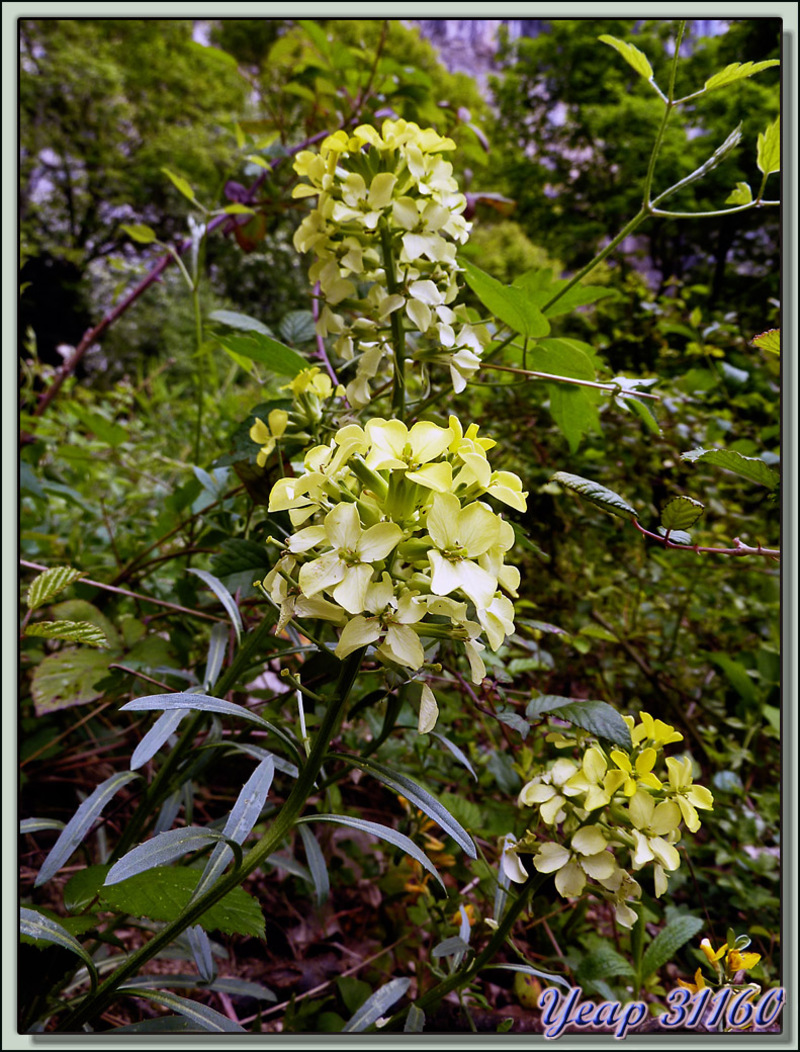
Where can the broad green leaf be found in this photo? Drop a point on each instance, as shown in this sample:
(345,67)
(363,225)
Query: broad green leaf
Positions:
(681,513)
(632,55)
(769,341)
(49,583)
(667,943)
(603,497)
(79,825)
(140,232)
(67,678)
(597,717)
(540,286)
(574,411)
(769,148)
(737,71)
(742,195)
(243,322)
(156,736)
(298,326)
(316,865)
(37,926)
(752,468)
(258,347)
(162,894)
(224,596)
(72,631)
(376,1005)
(180,184)
(318,36)
(507,302)
(160,849)
(419,797)
(204,1018)
(197,702)
(563,357)
(382,832)
(244,815)
(603,963)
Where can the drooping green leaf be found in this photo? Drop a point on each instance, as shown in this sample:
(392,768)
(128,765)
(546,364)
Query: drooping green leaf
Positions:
(597,717)
(160,849)
(574,411)
(527,969)
(156,736)
(221,984)
(71,631)
(752,468)
(234,320)
(197,702)
(681,513)
(507,302)
(667,943)
(457,753)
(448,947)
(769,341)
(316,865)
(202,1017)
(632,55)
(49,583)
(603,497)
(742,195)
(415,1021)
(265,350)
(376,1005)
(140,232)
(419,797)
(769,148)
(80,824)
(36,926)
(224,596)
(180,184)
(382,832)
(38,825)
(737,71)
(163,893)
(201,952)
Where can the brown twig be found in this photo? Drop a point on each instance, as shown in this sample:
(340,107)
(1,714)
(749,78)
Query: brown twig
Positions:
(740,547)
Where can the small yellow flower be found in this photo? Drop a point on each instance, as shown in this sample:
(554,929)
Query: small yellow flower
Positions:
(697,985)
(266,434)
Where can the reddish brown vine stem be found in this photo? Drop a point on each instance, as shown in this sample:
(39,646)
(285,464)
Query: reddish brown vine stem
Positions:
(740,547)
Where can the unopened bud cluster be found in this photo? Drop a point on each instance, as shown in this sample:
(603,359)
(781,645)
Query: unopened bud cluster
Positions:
(609,816)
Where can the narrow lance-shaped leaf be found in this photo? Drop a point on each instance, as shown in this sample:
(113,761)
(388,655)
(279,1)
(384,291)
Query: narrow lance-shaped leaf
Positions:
(224,596)
(391,836)
(244,815)
(376,1005)
(37,926)
(37,825)
(221,983)
(203,1017)
(603,497)
(456,752)
(632,55)
(180,184)
(681,513)
(239,321)
(316,864)
(419,797)
(527,969)
(217,645)
(80,824)
(668,941)
(196,702)
(49,583)
(156,736)
(140,232)
(271,353)
(201,951)
(159,850)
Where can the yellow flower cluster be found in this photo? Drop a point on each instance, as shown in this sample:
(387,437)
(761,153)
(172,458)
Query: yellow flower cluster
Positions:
(384,231)
(393,544)
(727,962)
(609,805)
(310,389)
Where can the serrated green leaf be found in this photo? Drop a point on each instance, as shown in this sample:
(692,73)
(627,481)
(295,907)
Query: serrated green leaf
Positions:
(140,232)
(597,717)
(82,610)
(205,1019)
(83,888)
(49,583)
(72,631)
(737,71)
(603,497)
(376,1005)
(67,678)
(742,195)
(163,893)
(80,824)
(681,513)
(632,55)
(769,148)
(667,943)
(752,468)
(603,963)
(298,326)
(769,341)
(180,184)
(507,302)
(272,354)
(37,926)
(243,322)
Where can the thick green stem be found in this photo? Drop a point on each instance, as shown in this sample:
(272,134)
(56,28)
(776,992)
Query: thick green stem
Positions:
(398,333)
(92,1006)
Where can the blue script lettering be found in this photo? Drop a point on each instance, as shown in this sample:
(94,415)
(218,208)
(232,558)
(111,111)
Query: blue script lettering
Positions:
(558,1012)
